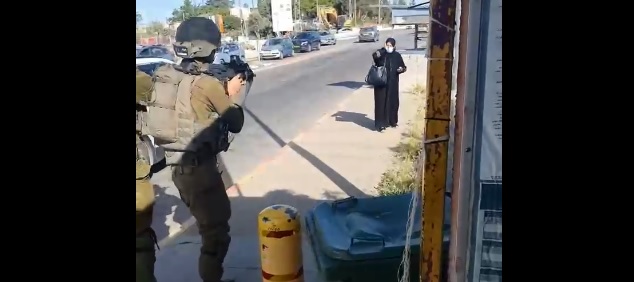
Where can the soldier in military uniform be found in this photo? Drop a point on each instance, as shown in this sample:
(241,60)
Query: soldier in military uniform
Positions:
(145,236)
(195,127)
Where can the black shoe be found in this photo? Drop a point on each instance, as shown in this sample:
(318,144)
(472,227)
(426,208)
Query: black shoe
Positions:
(394,125)
(380,129)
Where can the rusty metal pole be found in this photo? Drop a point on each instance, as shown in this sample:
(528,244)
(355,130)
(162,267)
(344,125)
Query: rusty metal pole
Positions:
(436,135)
(460,208)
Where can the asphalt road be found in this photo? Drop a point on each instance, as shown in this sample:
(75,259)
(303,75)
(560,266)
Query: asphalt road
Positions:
(287,98)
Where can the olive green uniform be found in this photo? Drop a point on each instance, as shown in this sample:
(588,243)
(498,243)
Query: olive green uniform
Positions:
(199,181)
(145,236)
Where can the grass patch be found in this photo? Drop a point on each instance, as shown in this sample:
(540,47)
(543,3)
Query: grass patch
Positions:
(401,178)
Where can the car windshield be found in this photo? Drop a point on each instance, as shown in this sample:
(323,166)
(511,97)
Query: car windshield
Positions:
(367,29)
(302,35)
(273,42)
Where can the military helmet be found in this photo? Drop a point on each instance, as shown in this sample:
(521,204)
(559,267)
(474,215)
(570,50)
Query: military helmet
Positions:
(196,38)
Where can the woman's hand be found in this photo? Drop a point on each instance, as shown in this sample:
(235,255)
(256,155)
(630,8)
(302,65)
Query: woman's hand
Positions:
(378,53)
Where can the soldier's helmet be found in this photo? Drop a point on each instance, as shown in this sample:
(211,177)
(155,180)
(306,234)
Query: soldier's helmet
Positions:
(196,38)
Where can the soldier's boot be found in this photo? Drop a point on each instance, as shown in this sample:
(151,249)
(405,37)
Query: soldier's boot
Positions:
(145,256)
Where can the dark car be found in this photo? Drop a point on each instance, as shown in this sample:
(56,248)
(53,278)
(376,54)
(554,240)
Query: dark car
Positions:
(156,51)
(307,41)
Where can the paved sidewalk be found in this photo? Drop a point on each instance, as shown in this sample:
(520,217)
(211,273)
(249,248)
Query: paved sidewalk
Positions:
(340,156)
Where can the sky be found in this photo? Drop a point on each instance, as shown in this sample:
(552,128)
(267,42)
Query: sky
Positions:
(152,10)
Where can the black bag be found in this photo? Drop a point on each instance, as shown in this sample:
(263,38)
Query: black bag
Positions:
(377,76)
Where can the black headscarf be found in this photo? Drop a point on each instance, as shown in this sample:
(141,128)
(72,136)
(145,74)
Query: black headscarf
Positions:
(391,40)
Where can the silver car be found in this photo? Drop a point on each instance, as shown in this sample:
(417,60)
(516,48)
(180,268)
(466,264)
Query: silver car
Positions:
(327,38)
(369,34)
(227,50)
(155,51)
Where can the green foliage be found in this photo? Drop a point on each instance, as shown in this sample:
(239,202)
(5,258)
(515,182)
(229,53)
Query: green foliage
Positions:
(220,4)
(232,22)
(188,10)
(259,25)
(155,28)
(210,8)
(401,177)
(264,9)
(139,18)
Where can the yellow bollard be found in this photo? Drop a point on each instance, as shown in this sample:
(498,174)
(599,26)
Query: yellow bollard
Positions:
(279,229)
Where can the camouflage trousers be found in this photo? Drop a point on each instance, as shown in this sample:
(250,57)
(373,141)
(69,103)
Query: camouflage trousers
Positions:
(203,191)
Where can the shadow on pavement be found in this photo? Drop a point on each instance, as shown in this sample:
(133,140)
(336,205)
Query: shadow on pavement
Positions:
(356,118)
(333,175)
(348,84)
(246,209)
(168,208)
(178,260)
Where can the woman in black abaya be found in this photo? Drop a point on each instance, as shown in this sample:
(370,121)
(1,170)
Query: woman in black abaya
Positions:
(386,97)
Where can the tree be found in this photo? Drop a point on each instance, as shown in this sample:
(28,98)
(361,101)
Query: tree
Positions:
(232,22)
(185,11)
(211,7)
(264,9)
(139,18)
(220,4)
(155,28)
(259,25)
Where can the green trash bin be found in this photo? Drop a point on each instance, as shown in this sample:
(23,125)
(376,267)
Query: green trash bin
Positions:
(362,239)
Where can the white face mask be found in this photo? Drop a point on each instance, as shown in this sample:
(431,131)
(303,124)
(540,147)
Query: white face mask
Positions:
(389,49)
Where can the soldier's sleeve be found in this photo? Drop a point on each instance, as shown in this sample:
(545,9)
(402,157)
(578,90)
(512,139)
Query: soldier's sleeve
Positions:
(208,96)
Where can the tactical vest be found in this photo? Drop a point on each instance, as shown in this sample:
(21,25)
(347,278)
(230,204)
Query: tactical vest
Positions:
(170,118)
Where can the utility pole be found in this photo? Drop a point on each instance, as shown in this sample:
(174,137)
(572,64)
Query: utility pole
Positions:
(349,9)
(355,12)
(317,11)
(436,136)
(241,18)
(379,22)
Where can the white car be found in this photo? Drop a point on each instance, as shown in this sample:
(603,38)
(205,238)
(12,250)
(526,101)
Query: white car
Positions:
(148,65)
(227,50)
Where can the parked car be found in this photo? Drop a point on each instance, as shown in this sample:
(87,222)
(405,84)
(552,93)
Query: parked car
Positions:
(227,50)
(277,48)
(369,34)
(138,49)
(307,41)
(327,38)
(156,51)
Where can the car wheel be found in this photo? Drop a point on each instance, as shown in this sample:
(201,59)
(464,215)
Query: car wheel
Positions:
(310,48)
(292,53)
(319,46)
(334,43)
(281,55)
